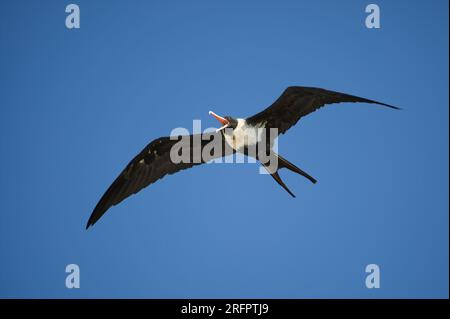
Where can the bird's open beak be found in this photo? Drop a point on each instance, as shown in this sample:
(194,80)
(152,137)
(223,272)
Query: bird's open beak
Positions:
(222,121)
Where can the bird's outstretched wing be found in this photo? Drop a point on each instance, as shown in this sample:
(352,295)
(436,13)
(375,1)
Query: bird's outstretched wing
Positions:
(298,101)
(155,161)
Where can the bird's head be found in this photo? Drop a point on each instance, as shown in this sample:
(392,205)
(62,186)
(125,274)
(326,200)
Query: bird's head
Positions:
(226,121)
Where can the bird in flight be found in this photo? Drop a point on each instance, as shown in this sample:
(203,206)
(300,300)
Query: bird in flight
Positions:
(248,136)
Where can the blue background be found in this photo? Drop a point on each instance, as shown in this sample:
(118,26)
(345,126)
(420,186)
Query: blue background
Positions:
(77,105)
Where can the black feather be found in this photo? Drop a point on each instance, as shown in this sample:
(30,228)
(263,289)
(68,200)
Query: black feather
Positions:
(298,101)
(151,164)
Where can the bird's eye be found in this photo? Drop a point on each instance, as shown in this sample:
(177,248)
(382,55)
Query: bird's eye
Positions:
(232,122)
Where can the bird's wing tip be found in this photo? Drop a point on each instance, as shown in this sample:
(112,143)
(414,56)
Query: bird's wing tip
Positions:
(388,105)
(89,224)
(394,107)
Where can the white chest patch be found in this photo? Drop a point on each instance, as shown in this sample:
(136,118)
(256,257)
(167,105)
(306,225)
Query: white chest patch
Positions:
(243,136)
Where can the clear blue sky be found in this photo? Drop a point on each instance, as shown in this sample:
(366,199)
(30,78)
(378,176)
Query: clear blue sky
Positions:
(77,105)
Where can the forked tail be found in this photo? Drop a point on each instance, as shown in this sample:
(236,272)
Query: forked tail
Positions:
(283,163)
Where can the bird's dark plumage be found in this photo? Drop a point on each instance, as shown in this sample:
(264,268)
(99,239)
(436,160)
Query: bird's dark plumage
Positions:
(299,101)
(154,161)
(151,164)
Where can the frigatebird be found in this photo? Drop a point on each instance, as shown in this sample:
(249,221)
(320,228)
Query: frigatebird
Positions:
(236,135)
